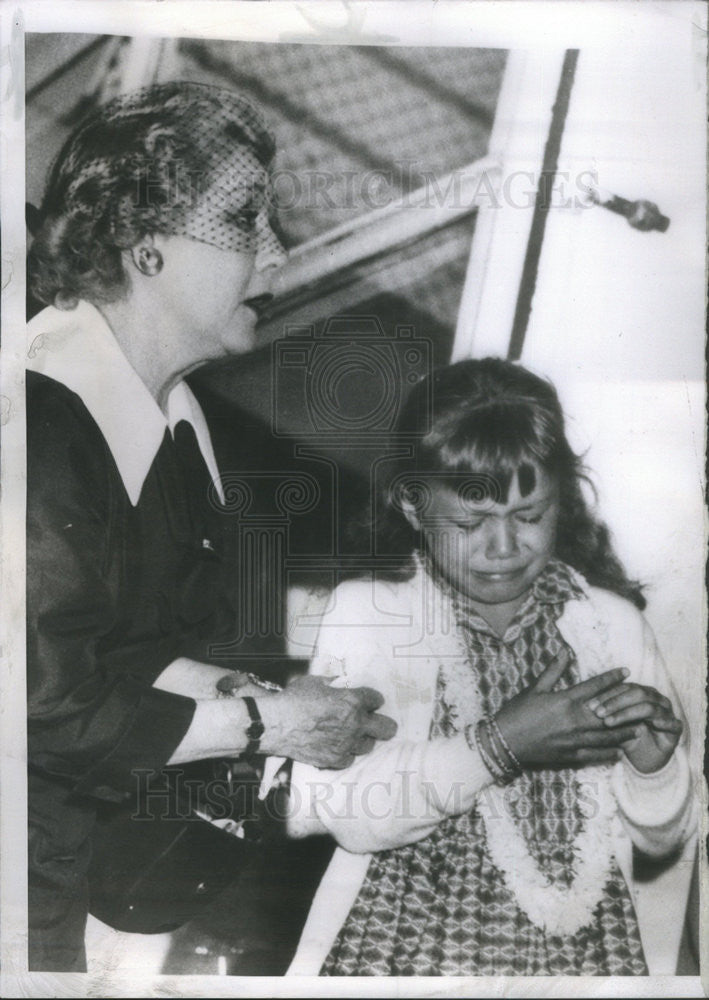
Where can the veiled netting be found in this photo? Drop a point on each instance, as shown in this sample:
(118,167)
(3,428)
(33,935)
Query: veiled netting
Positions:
(192,157)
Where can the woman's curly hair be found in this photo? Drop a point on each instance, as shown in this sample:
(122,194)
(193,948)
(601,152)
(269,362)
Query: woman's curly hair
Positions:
(133,167)
(490,420)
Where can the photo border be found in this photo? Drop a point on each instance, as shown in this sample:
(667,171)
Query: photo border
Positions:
(508,24)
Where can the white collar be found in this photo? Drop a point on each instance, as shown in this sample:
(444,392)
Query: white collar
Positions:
(78,349)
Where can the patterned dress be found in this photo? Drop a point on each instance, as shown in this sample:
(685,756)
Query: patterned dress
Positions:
(440,906)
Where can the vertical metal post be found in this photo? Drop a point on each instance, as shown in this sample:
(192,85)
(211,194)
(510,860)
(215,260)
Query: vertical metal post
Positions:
(504,222)
(542,204)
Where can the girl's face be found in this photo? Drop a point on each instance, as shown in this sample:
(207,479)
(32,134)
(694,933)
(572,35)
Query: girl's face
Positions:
(491,552)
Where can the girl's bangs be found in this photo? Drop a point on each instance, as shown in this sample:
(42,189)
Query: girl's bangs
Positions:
(493,445)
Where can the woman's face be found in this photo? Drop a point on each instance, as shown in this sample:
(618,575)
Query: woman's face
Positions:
(491,552)
(224,258)
(212,291)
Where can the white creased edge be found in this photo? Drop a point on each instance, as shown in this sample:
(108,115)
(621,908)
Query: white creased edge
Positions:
(480,23)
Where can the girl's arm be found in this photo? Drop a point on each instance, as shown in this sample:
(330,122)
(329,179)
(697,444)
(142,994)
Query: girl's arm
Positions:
(400,791)
(395,795)
(658,807)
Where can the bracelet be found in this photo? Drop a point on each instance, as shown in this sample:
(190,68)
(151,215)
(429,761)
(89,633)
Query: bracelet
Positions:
(233,692)
(498,774)
(498,754)
(263,683)
(491,762)
(497,732)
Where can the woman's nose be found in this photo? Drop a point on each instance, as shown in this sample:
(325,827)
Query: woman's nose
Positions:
(502,540)
(270,252)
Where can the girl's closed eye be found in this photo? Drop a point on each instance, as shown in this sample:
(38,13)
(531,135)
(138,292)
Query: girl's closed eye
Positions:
(530,518)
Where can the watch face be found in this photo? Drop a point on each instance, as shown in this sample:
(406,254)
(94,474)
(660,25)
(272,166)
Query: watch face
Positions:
(255,730)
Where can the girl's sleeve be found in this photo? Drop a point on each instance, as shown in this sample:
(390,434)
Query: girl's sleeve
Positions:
(658,810)
(398,793)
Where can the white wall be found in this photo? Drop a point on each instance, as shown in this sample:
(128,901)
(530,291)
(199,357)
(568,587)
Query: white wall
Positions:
(618,324)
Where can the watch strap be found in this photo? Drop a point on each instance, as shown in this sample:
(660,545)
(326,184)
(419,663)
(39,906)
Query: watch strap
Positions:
(255,729)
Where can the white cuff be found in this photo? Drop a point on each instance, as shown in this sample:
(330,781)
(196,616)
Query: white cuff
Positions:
(453,774)
(656,799)
(191,678)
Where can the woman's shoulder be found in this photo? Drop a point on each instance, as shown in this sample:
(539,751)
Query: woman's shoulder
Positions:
(54,409)
(66,452)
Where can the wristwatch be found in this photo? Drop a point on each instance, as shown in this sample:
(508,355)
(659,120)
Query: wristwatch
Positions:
(255,729)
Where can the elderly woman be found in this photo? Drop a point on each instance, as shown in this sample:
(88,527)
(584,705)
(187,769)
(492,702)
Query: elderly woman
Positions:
(152,251)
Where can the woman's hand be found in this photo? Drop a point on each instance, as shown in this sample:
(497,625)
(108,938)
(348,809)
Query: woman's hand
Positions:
(546,728)
(309,720)
(658,727)
(316,723)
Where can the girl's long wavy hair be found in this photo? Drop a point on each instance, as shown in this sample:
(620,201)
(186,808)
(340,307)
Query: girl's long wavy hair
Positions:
(480,423)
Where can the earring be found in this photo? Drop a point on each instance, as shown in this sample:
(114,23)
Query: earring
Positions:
(148,260)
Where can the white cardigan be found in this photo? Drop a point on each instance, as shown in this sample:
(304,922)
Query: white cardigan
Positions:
(393,637)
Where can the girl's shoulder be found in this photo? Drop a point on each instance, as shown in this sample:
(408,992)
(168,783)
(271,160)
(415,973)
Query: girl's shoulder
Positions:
(603,623)
(372,597)
(604,603)
(366,620)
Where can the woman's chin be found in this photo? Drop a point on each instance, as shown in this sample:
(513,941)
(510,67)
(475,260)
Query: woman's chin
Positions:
(239,336)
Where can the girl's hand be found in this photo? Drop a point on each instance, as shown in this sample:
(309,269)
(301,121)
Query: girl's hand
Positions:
(659,729)
(546,728)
